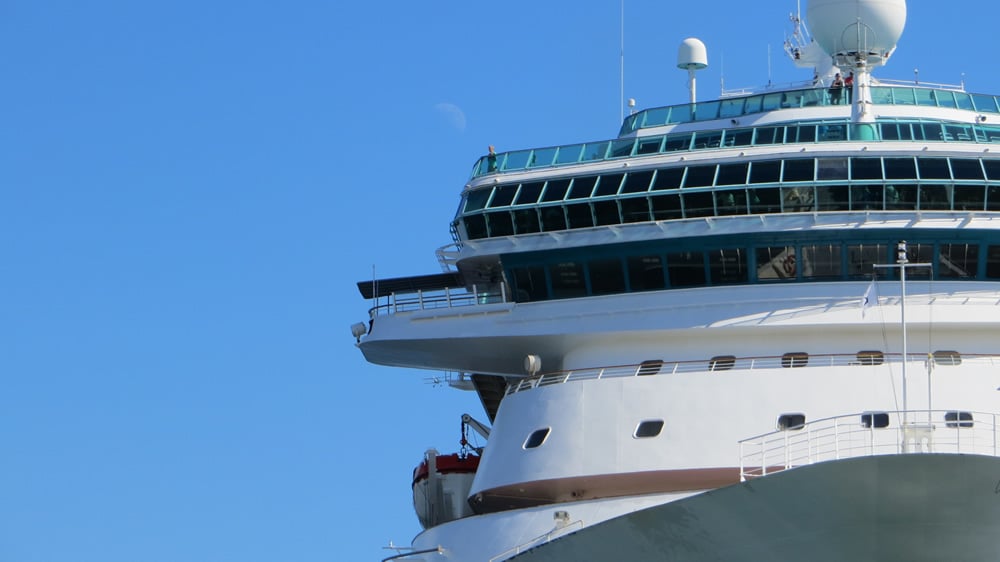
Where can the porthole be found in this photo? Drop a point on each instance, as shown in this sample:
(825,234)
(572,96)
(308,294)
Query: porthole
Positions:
(788,422)
(648,428)
(947,358)
(876,420)
(651,367)
(871,358)
(721,363)
(536,438)
(958,419)
(792,360)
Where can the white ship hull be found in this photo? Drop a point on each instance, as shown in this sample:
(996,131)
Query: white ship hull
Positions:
(921,507)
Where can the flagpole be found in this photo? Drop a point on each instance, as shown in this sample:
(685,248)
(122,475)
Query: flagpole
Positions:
(903,262)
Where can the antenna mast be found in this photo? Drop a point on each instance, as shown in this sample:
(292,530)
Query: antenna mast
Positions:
(621,64)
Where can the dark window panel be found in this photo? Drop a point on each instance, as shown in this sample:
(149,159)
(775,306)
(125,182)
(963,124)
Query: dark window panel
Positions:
(958,260)
(970,198)
(606,212)
(699,204)
(686,269)
(606,276)
(799,170)
(699,176)
(553,218)
(635,209)
(765,172)
(582,187)
(934,198)
(500,223)
(503,195)
(555,190)
(526,221)
(728,265)
(764,201)
(966,169)
(579,215)
(668,207)
(732,174)
(475,226)
(529,193)
(668,178)
(608,185)
(933,168)
(637,182)
(645,273)
(731,202)
(866,168)
(900,169)
(567,280)
(476,200)
(529,284)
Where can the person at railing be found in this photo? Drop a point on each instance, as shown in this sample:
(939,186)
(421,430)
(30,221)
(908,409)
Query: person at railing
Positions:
(849,86)
(836,89)
(491,159)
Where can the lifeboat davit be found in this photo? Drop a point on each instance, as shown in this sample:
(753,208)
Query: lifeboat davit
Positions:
(441,485)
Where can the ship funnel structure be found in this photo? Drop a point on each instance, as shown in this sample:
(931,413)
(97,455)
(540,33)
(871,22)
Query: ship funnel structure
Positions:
(692,57)
(853,31)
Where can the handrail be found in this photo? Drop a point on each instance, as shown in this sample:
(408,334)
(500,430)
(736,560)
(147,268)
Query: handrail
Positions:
(536,541)
(401,556)
(847,436)
(449,297)
(860,359)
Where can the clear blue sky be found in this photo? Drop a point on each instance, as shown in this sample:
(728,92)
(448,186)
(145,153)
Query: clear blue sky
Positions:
(189,192)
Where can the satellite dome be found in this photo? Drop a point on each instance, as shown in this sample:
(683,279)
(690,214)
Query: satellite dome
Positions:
(844,27)
(692,55)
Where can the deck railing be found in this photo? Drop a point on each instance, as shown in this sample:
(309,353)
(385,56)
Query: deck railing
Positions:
(729,363)
(867,434)
(449,297)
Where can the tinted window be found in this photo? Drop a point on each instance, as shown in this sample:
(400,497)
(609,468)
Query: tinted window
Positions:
(555,190)
(791,421)
(582,187)
(875,420)
(536,438)
(637,182)
(645,273)
(649,428)
(567,280)
(529,193)
(686,269)
(699,176)
(765,172)
(727,266)
(606,276)
(669,178)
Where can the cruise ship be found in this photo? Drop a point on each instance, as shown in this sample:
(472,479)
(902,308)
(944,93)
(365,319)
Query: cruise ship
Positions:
(764,327)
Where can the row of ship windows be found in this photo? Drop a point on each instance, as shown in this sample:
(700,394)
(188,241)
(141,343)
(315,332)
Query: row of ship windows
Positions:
(737,107)
(786,422)
(732,174)
(820,261)
(908,131)
(801,359)
(730,202)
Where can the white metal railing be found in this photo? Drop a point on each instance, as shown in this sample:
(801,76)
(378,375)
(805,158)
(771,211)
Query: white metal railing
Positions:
(791,361)
(848,436)
(539,540)
(441,298)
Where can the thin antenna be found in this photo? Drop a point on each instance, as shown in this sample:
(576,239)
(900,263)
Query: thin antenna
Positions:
(621,65)
(722,73)
(768,64)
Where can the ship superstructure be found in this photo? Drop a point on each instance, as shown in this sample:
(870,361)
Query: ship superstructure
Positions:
(661,325)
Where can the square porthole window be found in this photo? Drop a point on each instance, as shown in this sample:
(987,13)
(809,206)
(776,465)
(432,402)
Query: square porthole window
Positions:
(958,419)
(947,358)
(536,438)
(788,422)
(877,420)
(792,360)
(721,363)
(871,357)
(651,367)
(648,428)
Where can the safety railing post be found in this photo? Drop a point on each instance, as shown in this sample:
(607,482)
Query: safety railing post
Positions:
(503,292)
(447,296)
(420,298)
(393,297)
(763,457)
(475,294)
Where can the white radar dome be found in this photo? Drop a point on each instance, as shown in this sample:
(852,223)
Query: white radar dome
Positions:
(692,55)
(856,26)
